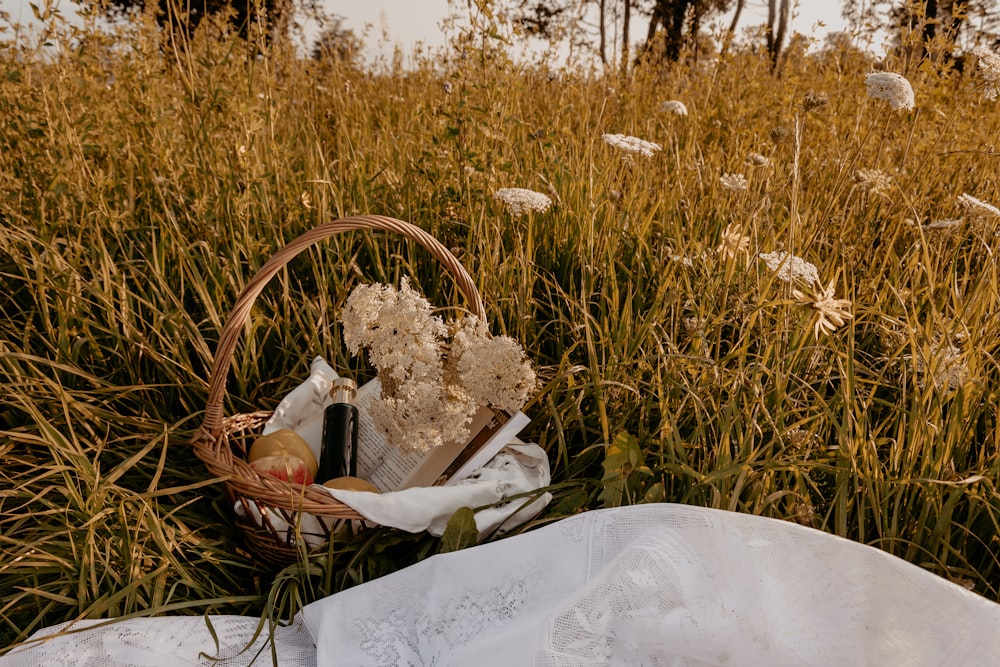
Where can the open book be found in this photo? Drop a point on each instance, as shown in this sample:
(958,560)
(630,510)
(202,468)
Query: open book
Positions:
(391,469)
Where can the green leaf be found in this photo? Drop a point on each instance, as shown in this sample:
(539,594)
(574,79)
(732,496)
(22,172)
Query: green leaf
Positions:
(655,494)
(571,504)
(461,531)
(621,457)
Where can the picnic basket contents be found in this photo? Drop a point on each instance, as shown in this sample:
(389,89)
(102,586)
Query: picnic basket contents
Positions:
(443,410)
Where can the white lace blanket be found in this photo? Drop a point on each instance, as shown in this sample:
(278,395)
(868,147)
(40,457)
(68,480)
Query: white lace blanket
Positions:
(643,585)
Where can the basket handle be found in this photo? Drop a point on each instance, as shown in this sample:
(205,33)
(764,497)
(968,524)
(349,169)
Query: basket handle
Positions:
(244,303)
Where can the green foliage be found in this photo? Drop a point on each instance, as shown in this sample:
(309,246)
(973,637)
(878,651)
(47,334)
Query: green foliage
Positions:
(622,458)
(461,531)
(142,187)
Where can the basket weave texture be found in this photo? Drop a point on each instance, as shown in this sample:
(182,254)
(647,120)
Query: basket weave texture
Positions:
(218,441)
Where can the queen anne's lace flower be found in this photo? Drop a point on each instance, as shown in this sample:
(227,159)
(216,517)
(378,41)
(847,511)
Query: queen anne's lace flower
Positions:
(830,312)
(492,369)
(790,268)
(734,182)
(945,368)
(813,101)
(675,107)
(873,181)
(890,87)
(632,145)
(431,386)
(757,160)
(944,225)
(989,67)
(420,415)
(977,208)
(521,200)
(398,330)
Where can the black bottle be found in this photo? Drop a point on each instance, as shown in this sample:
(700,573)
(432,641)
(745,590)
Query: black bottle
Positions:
(340,432)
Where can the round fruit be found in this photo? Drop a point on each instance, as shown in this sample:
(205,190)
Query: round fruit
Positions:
(284,441)
(285,467)
(350,484)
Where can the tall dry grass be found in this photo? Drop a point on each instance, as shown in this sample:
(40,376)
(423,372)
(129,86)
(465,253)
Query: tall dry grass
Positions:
(142,185)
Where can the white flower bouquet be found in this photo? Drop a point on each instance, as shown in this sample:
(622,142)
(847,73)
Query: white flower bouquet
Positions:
(434,375)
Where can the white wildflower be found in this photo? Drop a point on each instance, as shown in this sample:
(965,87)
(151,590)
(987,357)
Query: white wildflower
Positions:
(943,365)
(397,328)
(890,87)
(431,386)
(790,268)
(521,200)
(757,160)
(632,145)
(813,101)
(944,225)
(733,243)
(989,67)
(831,313)
(492,369)
(306,201)
(694,326)
(421,415)
(873,181)
(682,259)
(675,107)
(977,208)
(798,438)
(734,182)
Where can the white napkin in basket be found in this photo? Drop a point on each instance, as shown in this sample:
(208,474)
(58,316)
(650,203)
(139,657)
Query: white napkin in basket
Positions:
(518,468)
(302,409)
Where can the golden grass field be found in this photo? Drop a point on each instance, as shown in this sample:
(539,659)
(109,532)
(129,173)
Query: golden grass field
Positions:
(142,185)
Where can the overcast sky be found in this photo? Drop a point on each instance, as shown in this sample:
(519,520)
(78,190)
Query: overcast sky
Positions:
(410,21)
(407,22)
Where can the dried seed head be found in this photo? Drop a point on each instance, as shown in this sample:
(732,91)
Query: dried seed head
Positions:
(813,101)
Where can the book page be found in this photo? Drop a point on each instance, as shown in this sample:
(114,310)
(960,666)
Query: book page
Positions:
(379,462)
(391,469)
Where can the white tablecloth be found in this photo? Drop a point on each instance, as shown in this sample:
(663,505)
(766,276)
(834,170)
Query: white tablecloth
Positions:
(642,585)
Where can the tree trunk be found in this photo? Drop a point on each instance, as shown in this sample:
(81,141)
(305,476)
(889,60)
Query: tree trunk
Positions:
(626,19)
(776,34)
(772,11)
(731,33)
(675,13)
(603,33)
(930,21)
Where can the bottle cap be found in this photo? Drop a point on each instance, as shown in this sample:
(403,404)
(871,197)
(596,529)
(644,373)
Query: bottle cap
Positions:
(343,390)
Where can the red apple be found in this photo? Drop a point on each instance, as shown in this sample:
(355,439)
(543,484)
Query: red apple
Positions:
(284,467)
(284,441)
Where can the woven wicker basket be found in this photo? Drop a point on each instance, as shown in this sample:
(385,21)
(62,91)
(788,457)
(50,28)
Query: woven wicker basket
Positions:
(221,442)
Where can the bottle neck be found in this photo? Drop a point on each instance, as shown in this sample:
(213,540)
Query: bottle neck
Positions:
(343,391)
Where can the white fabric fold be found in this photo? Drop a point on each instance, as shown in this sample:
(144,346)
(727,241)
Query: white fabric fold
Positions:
(659,585)
(302,408)
(653,585)
(518,468)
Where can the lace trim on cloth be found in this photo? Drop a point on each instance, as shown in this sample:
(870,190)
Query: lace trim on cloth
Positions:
(660,585)
(400,640)
(184,641)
